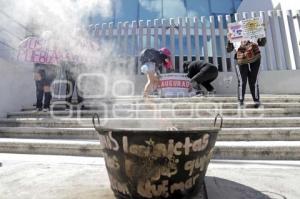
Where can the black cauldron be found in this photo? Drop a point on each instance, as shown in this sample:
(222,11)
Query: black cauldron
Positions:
(168,163)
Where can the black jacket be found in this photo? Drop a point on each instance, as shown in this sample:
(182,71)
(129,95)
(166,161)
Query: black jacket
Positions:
(152,55)
(194,67)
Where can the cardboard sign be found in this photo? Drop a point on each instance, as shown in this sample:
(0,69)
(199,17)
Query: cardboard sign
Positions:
(236,31)
(174,85)
(253,28)
(248,29)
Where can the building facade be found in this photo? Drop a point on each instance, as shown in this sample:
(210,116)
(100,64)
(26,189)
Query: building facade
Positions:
(135,10)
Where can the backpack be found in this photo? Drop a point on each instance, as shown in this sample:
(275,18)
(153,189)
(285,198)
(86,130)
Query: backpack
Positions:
(247,53)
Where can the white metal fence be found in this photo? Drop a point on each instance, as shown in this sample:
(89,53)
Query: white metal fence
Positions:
(205,38)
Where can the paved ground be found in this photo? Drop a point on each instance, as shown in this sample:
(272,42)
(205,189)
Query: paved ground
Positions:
(44,177)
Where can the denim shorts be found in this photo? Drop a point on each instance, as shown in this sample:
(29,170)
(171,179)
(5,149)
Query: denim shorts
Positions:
(148,67)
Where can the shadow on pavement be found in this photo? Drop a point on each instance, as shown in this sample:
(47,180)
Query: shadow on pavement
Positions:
(218,188)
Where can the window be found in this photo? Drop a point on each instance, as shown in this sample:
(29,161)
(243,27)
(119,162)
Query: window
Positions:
(126,10)
(150,9)
(174,8)
(197,8)
(220,7)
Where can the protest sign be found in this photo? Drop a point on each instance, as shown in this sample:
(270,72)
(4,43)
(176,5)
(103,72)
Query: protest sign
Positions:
(38,50)
(253,28)
(174,85)
(248,29)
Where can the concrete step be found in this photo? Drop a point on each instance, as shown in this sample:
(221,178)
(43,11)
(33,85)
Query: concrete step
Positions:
(50,147)
(216,98)
(158,123)
(226,134)
(257,150)
(260,134)
(49,133)
(161,106)
(165,113)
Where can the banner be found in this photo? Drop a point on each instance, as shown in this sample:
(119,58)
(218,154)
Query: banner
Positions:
(37,50)
(174,85)
(248,29)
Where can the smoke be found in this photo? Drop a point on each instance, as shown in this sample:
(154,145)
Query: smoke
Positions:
(64,23)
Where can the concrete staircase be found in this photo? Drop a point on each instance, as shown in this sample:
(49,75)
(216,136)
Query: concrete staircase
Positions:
(270,132)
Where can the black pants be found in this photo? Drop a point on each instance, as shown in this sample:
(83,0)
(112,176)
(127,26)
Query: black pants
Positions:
(40,95)
(207,75)
(248,72)
(70,89)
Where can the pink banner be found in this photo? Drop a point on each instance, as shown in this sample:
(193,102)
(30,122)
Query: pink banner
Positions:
(36,50)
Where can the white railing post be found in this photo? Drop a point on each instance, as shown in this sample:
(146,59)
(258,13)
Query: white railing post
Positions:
(213,40)
(204,38)
(97,31)
(298,18)
(119,31)
(274,39)
(180,44)
(141,41)
(119,35)
(268,48)
(232,61)
(104,31)
(172,39)
(156,26)
(91,30)
(148,34)
(134,45)
(125,42)
(222,40)
(293,38)
(164,23)
(285,46)
(245,15)
(196,37)
(111,31)
(188,39)
(141,35)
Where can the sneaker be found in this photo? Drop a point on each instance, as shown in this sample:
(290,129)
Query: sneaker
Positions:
(241,104)
(38,109)
(199,93)
(257,105)
(154,93)
(46,109)
(211,92)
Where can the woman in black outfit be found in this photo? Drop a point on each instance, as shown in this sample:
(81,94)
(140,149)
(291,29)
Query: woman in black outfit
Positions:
(248,58)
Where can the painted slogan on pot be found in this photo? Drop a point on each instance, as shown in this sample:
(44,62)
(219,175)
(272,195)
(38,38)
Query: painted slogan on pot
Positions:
(150,168)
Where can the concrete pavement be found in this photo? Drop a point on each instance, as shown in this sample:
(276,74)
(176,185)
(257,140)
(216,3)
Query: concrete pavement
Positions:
(67,177)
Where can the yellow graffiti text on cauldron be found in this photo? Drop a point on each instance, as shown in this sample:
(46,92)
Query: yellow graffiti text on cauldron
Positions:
(164,189)
(199,164)
(112,162)
(118,186)
(167,150)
